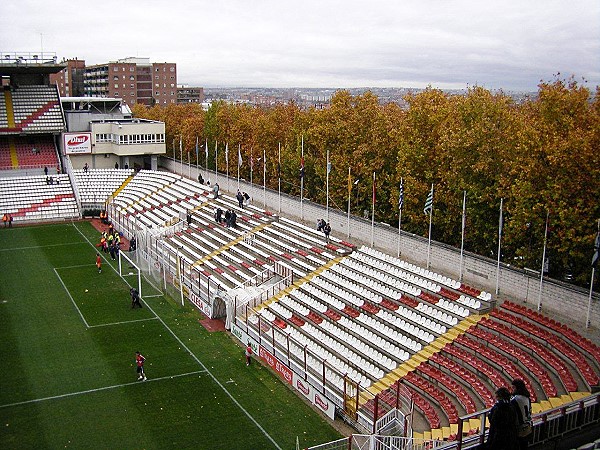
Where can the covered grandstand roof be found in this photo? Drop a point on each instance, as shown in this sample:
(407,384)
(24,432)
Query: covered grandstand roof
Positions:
(99,104)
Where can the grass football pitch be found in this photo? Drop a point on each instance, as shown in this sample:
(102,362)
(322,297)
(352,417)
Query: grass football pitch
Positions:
(68,338)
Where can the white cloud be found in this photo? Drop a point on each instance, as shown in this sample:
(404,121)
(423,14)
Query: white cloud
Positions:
(509,44)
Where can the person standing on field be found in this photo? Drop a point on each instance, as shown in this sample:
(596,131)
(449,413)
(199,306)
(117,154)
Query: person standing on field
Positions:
(139,362)
(135,298)
(99,262)
(248,353)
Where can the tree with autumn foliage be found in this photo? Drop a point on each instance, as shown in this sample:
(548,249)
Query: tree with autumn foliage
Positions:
(540,156)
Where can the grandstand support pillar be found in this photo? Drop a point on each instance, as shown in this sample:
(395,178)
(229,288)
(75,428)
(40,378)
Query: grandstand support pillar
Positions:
(180,275)
(305,364)
(375,413)
(164,267)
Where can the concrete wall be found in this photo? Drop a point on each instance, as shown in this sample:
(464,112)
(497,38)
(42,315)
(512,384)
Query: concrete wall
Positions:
(569,304)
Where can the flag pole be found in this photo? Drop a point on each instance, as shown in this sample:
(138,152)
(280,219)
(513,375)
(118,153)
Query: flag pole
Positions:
(227,164)
(216,158)
(500,220)
(197,157)
(189,165)
(206,157)
(239,164)
(264,179)
(327,188)
(589,308)
(400,204)
(462,239)
(181,154)
(251,167)
(302,180)
(539,305)
(373,215)
(349,195)
(279,176)
(594,262)
(430,221)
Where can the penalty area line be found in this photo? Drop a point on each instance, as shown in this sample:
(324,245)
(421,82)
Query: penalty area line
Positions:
(106,388)
(71,297)
(122,323)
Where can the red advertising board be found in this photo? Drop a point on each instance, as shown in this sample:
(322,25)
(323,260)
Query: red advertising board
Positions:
(274,363)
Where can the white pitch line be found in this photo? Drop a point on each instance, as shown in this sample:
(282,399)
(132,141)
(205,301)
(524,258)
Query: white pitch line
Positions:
(71,297)
(229,394)
(90,391)
(39,246)
(122,323)
(74,267)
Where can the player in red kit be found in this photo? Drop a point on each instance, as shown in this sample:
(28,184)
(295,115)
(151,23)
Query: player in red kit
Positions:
(98,262)
(139,362)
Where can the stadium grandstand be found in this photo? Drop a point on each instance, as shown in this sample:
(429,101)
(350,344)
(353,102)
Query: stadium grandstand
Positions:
(400,352)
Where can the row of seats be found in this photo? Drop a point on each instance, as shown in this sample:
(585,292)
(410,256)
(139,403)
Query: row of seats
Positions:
(35,109)
(557,344)
(435,277)
(564,330)
(96,185)
(541,350)
(524,357)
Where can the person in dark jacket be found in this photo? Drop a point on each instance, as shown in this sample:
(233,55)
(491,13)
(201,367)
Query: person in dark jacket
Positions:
(503,423)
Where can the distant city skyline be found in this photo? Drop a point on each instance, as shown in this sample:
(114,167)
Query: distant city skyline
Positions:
(509,45)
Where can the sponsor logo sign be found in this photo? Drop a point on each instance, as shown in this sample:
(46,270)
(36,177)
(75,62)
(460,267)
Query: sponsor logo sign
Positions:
(324,405)
(201,305)
(283,371)
(76,143)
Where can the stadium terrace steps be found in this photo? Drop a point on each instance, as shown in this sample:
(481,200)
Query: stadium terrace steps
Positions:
(33,109)
(379,320)
(31,198)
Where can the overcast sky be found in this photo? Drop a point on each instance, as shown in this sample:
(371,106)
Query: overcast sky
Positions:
(504,44)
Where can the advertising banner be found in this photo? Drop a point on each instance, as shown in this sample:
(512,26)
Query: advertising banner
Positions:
(274,363)
(77,143)
(205,308)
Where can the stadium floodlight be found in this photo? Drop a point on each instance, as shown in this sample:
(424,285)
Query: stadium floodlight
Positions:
(125,270)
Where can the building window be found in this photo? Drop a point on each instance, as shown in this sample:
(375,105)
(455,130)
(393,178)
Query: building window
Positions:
(172,69)
(132,94)
(131,77)
(116,77)
(116,85)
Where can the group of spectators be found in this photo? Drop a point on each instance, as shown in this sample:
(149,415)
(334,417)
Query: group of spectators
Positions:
(110,242)
(243,198)
(325,227)
(7,218)
(510,419)
(51,180)
(229,218)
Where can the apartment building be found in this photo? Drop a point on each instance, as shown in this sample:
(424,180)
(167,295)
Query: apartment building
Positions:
(70,80)
(134,80)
